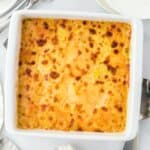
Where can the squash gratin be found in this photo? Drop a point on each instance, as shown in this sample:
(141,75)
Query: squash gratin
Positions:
(73,75)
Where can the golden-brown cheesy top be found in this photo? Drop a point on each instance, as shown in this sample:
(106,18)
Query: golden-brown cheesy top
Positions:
(73,75)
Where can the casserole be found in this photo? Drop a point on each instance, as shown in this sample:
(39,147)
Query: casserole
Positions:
(134,94)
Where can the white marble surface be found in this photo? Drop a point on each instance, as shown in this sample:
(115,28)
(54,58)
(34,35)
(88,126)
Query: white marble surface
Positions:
(36,143)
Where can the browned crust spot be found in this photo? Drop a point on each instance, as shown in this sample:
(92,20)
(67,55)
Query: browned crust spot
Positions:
(54,75)
(114,44)
(41,42)
(92,31)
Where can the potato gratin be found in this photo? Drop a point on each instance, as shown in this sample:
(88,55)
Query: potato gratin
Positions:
(73,75)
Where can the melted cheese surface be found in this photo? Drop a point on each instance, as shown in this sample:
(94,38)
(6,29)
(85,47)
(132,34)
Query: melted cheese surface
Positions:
(73,75)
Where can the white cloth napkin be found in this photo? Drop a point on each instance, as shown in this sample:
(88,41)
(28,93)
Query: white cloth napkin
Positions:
(1,108)
(6,144)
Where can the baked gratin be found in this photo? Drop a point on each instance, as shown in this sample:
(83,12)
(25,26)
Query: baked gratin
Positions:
(73,75)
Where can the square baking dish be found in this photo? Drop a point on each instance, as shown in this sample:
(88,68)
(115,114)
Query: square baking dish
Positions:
(134,95)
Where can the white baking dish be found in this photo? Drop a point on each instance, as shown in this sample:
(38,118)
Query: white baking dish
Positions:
(135,75)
